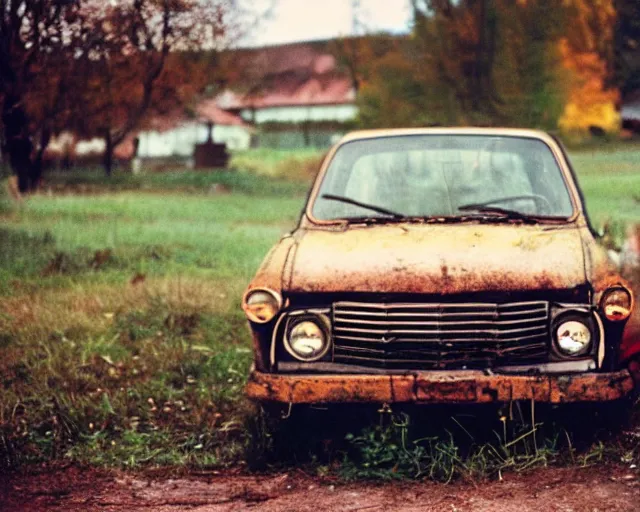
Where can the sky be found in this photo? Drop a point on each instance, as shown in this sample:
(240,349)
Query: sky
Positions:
(304,20)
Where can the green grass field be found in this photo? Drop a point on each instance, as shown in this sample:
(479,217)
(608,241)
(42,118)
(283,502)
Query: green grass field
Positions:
(610,181)
(122,338)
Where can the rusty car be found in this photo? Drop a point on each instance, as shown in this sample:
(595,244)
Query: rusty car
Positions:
(439,265)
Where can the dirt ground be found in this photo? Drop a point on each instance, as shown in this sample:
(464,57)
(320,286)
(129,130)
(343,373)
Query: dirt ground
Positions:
(612,488)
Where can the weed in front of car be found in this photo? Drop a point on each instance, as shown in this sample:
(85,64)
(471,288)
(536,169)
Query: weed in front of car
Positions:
(439,443)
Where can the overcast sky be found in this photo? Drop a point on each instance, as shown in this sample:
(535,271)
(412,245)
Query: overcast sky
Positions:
(303,20)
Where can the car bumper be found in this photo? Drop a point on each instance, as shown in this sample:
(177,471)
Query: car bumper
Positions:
(437,387)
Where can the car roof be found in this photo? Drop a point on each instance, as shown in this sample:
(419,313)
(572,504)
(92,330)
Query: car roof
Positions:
(396,132)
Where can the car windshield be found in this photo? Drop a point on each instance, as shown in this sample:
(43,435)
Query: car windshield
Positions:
(433,176)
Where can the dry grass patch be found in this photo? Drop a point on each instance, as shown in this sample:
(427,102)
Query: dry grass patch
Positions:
(92,307)
(98,372)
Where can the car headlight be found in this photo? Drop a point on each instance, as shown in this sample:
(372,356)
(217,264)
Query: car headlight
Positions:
(307,339)
(573,338)
(261,305)
(616,304)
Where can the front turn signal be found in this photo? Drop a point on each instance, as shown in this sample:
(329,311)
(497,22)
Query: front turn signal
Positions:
(617,304)
(261,305)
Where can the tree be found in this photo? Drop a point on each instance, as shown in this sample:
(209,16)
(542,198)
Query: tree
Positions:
(587,49)
(92,65)
(538,63)
(459,40)
(34,59)
(356,54)
(529,72)
(626,62)
(394,96)
(127,57)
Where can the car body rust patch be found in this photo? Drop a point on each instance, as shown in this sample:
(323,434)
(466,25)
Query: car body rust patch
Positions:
(438,387)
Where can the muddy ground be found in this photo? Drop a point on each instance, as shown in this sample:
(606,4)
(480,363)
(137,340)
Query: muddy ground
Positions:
(601,488)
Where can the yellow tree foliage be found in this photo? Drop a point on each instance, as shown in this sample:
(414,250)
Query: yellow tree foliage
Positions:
(584,50)
(537,63)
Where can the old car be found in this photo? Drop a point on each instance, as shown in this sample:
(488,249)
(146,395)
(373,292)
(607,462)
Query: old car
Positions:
(442,265)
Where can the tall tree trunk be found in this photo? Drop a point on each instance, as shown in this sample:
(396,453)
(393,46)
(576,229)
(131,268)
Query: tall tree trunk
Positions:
(108,153)
(19,158)
(35,174)
(18,144)
(478,70)
(483,95)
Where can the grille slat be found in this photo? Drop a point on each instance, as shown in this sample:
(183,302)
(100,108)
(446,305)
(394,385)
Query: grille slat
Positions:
(448,340)
(438,331)
(351,321)
(436,352)
(440,336)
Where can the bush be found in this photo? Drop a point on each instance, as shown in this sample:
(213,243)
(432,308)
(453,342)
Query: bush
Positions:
(302,169)
(297,165)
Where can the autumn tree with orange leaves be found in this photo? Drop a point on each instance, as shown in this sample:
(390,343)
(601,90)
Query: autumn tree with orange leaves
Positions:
(537,63)
(587,51)
(94,66)
(125,71)
(471,62)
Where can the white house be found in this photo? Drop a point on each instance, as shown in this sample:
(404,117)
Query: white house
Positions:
(169,136)
(176,135)
(295,94)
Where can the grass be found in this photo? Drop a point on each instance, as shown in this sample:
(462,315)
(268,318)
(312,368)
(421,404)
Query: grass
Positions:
(225,236)
(124,344)
(297,164)
(186,182)
(392,451)
(610,182)
(120,324)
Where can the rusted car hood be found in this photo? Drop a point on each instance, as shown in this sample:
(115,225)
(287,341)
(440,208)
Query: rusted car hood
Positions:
(436,259)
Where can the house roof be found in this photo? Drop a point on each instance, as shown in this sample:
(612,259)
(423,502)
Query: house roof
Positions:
(297,74)
(284,58)
(206,111)
(209,112)
(316,90)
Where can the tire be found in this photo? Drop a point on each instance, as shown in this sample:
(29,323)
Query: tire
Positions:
(616,416)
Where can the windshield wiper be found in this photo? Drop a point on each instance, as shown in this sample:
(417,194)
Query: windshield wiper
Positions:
(503,212)
(373,208)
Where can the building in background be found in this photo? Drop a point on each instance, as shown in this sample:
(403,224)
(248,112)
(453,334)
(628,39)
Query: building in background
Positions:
(294,94)
(176,135)
(165,140)
(286,97)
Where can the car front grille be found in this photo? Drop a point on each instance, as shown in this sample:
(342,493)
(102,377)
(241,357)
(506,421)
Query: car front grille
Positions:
(440,336)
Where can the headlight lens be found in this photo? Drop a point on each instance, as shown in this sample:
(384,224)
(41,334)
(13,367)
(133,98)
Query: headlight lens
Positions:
(573,338)
(307,340)
(261,306)
(616,304)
